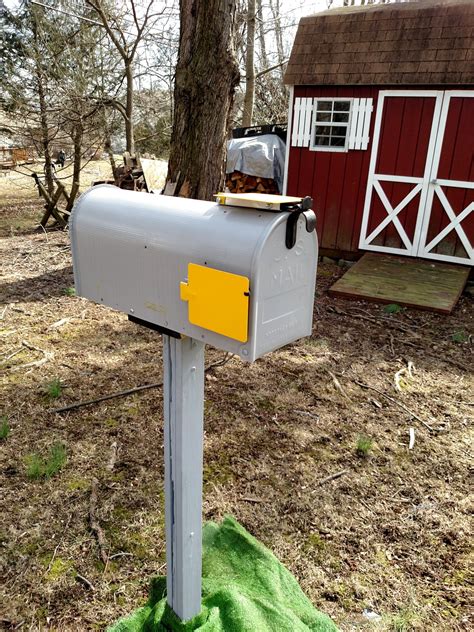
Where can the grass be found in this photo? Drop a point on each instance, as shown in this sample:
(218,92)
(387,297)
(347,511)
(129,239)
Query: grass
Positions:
(272,458)
(39,466)
(460,336)
(392,308)
(4,427)
(404,621)
(364,446)
(54,388)
(70,291)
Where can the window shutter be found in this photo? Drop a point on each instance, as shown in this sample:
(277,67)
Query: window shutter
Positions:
(360,123)
(302,119)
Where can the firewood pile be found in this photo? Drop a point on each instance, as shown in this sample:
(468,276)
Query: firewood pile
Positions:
(128,176)
(238,182)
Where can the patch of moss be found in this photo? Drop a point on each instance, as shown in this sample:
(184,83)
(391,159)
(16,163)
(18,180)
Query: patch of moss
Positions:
(219,473)
(78,484)
(342,593)
(58,568)
(31,547)
(315,541)
(122,514)
(315,546)
(460,577)
(117,477)
(404,621)
(111,423)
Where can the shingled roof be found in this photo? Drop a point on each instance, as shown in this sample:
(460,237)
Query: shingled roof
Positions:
(411,43)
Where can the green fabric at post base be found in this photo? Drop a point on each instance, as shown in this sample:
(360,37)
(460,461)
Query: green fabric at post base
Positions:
(244,587)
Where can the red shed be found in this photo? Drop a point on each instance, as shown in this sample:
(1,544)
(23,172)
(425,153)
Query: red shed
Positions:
(381,128)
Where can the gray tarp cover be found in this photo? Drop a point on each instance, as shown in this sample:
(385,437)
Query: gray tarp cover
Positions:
(262,156)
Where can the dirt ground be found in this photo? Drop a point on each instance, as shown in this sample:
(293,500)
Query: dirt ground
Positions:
(390,535)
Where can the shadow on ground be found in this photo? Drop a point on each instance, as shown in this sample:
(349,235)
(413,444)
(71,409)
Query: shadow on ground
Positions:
(38,288)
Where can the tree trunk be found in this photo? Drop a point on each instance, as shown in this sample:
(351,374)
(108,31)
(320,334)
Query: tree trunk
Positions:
(43,111)
(261,36)
(275,8)
(206,77)
(110,153)
(76,174)
(249,67)
(45,140)
(129,131)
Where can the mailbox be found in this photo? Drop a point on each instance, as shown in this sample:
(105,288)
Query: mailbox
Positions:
(241,279)
(238,273)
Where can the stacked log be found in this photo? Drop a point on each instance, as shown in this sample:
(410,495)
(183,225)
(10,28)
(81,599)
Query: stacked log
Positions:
(238,182)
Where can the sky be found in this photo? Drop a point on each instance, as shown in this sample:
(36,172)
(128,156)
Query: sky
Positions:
(304,7)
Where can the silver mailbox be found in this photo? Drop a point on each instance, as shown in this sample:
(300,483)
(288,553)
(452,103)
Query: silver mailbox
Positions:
(222,274)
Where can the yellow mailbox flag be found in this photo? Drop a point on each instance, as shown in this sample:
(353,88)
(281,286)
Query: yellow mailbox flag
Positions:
(217,300)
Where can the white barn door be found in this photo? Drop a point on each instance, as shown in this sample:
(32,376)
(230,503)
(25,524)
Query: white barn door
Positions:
(447,232)
(420,184)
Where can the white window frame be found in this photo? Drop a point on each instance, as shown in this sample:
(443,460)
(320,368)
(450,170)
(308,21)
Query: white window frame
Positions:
(312,145)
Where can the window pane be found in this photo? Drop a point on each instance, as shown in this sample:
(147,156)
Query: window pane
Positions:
(321,140)
(339,130)
(337,141)
(323,116)
(323,130)
(340,117)
(342,106)
(324,106)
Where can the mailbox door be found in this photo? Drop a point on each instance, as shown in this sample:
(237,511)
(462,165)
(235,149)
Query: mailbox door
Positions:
(217,301)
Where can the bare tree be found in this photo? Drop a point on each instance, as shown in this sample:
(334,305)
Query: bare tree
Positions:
(249,96)
(126,44)
(206,77)
(261,36)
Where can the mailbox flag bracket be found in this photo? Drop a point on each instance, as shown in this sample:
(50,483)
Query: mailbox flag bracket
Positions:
(217,300)
(154,326)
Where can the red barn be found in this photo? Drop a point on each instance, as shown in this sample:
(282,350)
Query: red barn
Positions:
(381,128)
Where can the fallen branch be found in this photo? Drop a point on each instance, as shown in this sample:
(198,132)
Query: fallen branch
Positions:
(47,355)
(85,581)
(306,413)
(59,323)
(94,523)
(397,403)
(332,477)
(377,320)
(120,554)
(338,386)
(248,499)
(104,398)
(130,391)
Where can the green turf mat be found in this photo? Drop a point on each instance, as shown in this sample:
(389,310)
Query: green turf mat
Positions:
(245,589)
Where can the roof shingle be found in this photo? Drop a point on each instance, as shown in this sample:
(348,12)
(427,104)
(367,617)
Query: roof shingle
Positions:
(418,42)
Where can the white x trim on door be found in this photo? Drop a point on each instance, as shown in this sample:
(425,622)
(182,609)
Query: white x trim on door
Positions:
(393,212)
(434,187)
(426,186)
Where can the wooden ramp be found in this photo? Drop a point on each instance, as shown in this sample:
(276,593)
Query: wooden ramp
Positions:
(406,281)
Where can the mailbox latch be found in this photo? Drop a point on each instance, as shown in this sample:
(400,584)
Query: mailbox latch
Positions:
(305,208)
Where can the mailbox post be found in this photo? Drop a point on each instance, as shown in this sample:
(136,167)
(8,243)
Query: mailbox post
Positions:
(183,401)
(238,274)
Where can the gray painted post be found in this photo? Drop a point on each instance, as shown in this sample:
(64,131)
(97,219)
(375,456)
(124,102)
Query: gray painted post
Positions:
(183,368)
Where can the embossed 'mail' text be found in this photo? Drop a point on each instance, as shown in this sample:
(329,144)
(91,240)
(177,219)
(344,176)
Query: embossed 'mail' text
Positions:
(288,276)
